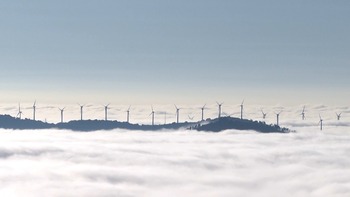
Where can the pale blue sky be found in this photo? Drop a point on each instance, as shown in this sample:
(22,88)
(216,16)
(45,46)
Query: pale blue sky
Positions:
(153,51)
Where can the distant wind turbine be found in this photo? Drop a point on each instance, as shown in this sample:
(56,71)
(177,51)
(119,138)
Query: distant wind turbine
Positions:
(106,111)
(242,109)
(338,115)
(303,114)
(34,110)
(152,113)
(177,114)
(62,110)
(321,122)
(278,117)
(203,108)
(128,114)
(81,111)
(219,104)
(264,114)
(19,115)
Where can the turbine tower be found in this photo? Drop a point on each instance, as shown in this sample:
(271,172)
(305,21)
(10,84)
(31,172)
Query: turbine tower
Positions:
(278,117)
(62,110)
(106,111)
(177,114)
(152,113)
(303,114)
(263,114)
(338,115)
(19,115)
(203,111)
(128,114)
(81,111)
(242,109)
(321,123)
(219,104)
(34,110)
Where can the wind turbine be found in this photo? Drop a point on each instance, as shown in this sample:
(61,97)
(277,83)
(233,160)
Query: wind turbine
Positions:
(128,114)
(19,111)
(338,115)
(81,111)
(303,114)
(219,104)
(152,113)
(264,114)
(242,109)
(62,110)
(203,111)
(321,122)
(106,111)
(278,117)
(177,114)
(34,110)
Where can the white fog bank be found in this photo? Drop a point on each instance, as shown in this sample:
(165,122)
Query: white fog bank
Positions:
(181,163)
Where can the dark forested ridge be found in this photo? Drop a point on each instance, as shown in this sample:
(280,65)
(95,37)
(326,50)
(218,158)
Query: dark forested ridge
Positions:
(215,125)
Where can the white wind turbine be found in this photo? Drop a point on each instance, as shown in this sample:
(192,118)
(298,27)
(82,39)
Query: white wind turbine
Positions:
(263,114)
(19,115)
(62,111)
(106,107)
(303,114)
(177,114)
(152,113)
(34,110)
(320,122)
(219,105)
(338,115)
(128,114)
(203,108)
(242,109)
(278,117)
(81,111)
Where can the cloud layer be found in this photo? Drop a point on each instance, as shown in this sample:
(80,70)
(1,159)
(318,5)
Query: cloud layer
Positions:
(169,163)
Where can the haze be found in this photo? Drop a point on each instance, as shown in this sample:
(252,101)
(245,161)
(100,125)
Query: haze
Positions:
(175,51)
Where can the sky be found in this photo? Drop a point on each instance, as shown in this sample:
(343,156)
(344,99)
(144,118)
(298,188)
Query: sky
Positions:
(160,51)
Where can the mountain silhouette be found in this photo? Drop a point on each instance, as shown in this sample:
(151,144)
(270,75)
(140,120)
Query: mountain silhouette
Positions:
(215,125)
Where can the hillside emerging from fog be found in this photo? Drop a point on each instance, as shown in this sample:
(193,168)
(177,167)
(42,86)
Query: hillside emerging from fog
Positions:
(215,125)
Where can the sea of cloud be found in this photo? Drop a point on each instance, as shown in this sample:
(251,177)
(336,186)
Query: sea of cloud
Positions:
(175,163)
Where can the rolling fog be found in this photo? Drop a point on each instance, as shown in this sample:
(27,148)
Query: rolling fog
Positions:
(175,163)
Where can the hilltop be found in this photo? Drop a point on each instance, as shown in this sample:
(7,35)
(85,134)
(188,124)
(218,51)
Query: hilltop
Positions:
(215,125)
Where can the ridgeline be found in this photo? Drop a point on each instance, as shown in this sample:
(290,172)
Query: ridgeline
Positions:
(215,125)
